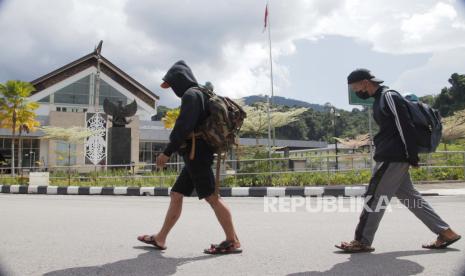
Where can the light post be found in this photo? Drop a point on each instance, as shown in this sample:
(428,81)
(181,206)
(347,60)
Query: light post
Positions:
(335,115)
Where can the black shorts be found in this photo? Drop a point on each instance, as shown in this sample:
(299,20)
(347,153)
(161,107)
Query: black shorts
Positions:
(196,173)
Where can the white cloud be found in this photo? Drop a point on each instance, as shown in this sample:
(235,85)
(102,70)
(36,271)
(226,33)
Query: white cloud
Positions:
(399,27)
(431,77)
(437,29)
(418,26)
(222,40)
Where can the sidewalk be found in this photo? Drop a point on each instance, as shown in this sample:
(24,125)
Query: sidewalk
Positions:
(442,188)
(436,189)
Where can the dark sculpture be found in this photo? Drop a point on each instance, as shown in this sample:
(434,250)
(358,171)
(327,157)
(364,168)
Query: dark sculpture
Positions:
(119,112)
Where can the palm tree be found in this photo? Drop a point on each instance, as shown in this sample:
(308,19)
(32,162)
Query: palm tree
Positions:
(16,111)
(25,122)
(170,118)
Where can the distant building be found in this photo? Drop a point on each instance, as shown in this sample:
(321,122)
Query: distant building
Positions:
(66,94)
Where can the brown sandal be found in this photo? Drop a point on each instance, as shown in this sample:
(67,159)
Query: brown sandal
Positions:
(354,247)
(151,241)
(441,242)
(226,247)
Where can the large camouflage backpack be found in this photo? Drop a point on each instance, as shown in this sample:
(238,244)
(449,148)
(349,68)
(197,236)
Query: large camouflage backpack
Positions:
(221,128)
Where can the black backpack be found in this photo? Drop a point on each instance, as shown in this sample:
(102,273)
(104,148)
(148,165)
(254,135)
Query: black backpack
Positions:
(427,122)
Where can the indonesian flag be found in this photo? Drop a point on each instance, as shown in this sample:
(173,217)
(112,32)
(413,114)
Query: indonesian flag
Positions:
(266,17)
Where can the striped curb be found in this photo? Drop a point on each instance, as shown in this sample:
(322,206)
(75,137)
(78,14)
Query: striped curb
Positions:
(336,191)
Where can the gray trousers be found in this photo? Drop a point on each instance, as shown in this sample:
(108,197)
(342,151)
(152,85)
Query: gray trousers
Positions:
(393,179)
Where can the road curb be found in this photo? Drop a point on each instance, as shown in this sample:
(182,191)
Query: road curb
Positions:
(314,191)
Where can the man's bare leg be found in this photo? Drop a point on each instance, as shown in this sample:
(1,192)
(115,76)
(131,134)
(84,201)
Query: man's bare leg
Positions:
(224,218)
(172,216)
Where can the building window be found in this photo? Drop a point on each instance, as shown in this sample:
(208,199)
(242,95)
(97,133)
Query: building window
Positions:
(30,152)
(109,92)
(149,150)
(65,152)
(71,109)
(75,93)
(45,100)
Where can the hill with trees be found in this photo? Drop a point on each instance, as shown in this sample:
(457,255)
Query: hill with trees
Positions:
(281,101)
(322,123)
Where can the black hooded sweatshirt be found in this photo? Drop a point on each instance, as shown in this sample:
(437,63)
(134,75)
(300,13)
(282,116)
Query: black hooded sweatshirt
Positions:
(396,140)
(193,105)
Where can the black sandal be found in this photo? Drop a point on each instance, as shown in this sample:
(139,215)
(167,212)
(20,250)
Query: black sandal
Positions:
(443,242)
(226,247)
(151,241)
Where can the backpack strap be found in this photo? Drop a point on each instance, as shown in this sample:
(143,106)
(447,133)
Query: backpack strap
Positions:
(206,91)
(217,176)
(193,136)
(382,101)
(392,107)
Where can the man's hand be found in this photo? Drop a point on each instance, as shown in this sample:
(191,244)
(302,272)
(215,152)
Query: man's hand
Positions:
(162,159)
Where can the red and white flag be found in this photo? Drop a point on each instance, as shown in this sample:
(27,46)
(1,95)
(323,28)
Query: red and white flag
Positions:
(266,17)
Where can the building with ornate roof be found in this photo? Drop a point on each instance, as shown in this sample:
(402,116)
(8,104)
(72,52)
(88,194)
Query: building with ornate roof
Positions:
(67,96)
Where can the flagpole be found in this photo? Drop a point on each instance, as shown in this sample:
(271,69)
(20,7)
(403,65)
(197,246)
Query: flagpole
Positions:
(270,103)
(98,50)
(267,24)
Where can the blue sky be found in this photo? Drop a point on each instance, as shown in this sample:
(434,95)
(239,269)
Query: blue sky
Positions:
(319,68)
(413,45)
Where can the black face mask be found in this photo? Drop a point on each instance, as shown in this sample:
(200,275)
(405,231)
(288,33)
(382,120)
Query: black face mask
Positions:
(362,94)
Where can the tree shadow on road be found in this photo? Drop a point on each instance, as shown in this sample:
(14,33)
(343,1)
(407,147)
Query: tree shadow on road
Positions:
(377,264)
(151,262)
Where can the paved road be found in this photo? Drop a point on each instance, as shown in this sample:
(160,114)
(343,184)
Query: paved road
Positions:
(95,235)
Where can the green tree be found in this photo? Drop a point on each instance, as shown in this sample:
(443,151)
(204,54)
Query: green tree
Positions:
(16,112)
(348,124)
(296,130)
(314,121)
(453,98)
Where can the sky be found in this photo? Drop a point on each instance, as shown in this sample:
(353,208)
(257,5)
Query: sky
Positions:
(413,45)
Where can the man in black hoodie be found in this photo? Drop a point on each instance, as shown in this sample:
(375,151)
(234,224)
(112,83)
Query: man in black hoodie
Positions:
(396,151)
(197,173)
